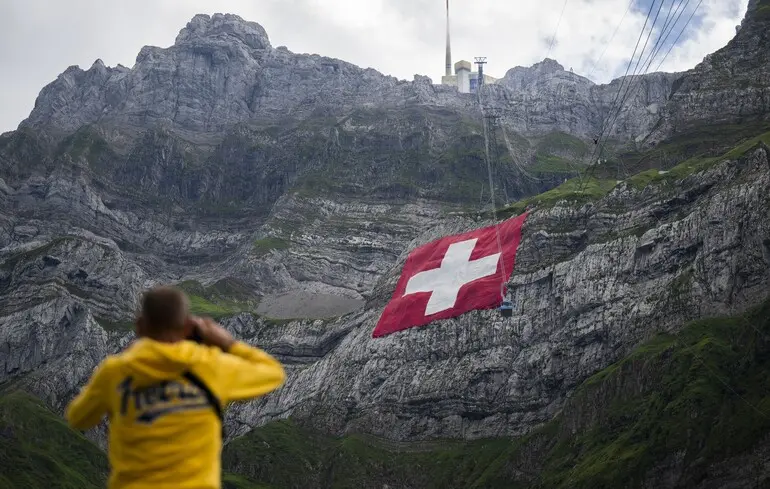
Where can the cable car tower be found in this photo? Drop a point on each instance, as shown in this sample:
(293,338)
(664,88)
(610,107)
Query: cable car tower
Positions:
(480,61)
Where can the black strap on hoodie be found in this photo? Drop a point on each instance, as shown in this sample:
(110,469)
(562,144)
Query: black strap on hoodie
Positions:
(212,399)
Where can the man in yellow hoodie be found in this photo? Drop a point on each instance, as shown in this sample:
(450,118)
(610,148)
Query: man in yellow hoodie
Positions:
(165,394)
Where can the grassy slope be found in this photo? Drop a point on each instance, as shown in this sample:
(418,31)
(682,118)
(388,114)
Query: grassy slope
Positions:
(703,394)
(592,189)
(559,152)
(696,164)
(38,449)
(572,190)
(670,395)
(219,300)
(698,143)
(263,246)
(284,455)
(234,481)
(222,299)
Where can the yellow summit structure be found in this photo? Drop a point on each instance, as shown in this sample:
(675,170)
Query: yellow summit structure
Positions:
(464,79)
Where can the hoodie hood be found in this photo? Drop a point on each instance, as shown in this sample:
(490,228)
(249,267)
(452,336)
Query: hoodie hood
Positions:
(150,361)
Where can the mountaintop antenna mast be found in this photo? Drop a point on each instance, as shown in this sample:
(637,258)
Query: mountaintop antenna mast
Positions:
(448,65)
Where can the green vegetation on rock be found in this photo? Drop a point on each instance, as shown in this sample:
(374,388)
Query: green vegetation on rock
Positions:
(203,307)
(703,394)
(226,297)
(763,11)
(221,299)
(552,164)
(396,158)
(29,255)
(119,326)
(559,152)
(701,143)
(263,246)
(561,141)
(39,451)
(233,481)
(696,164)
(285,455)
(88,144)
(573,190)
(593,189)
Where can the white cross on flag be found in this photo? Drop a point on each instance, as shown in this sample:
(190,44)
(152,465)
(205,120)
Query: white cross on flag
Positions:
(453,275)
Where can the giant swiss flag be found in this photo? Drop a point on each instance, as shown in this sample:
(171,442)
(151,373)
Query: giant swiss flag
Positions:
(453,275)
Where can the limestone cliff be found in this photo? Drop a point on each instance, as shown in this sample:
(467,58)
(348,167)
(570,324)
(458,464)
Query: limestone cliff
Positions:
(730,86)
(222,70)
(284,191)
(590,283)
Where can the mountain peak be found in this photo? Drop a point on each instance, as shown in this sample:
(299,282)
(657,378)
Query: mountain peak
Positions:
(548,65)
(224,26)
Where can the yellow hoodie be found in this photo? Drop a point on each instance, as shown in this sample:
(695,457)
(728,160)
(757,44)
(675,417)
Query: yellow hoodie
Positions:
(165,430)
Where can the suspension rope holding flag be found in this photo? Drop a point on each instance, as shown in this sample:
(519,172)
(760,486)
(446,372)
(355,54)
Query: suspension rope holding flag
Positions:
(453,275)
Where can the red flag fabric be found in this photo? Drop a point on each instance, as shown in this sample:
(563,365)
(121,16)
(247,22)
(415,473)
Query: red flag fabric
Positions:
(453,275)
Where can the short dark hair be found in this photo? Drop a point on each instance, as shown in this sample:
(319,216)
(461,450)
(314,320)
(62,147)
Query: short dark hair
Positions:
(164,308)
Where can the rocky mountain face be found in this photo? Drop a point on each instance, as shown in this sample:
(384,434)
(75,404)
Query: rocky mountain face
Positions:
(545,96)
(590,283)
(222,70)
(284,192)
(730,86)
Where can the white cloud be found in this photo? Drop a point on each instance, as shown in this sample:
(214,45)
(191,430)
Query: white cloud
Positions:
(40,38)
(717,23)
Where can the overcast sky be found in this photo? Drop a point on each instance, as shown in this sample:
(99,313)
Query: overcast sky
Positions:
(40,38)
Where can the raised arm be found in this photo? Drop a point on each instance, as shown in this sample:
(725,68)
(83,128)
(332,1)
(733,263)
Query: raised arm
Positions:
(246,372)
(242,371)
(92,403)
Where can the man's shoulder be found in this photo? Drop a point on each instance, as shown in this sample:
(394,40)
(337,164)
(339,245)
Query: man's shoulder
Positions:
(202,350)
(111,362)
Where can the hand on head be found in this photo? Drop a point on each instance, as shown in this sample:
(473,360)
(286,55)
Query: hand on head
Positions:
(208,332)
(165,316)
